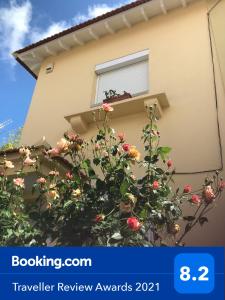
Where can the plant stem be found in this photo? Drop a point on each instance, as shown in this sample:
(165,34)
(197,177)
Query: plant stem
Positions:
(192,225)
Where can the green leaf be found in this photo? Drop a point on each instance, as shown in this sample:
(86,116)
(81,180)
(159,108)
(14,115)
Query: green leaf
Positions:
(124,187)
(147,158)
(189,218)
(144,213)
(163,152)
(159,171)
(203,220)
(68,203)
(96,161)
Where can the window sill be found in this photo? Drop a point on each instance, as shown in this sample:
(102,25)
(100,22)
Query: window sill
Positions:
(80,121)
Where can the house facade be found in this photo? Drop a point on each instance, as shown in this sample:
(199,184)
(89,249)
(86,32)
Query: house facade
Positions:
(168,52)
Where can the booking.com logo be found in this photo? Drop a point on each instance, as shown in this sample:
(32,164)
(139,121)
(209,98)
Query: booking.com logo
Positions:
(45,261)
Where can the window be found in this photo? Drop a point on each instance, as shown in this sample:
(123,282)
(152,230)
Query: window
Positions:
(129,73)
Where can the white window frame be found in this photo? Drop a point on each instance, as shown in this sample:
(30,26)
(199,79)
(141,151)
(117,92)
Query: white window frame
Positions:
(119,63)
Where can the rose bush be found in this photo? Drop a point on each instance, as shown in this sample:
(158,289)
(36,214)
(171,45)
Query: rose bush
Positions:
(100,201)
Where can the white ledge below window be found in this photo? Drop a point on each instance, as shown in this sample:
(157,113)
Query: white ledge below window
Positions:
(80,121)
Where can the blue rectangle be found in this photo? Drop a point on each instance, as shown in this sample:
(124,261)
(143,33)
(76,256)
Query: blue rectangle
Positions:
(110,273)
(194,273)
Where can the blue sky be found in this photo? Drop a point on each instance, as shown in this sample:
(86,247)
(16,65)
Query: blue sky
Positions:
(23,22)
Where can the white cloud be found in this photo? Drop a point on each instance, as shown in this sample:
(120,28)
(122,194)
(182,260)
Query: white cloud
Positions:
(14,27)
(16,31)
(37,34)
(97,10)
(92,12)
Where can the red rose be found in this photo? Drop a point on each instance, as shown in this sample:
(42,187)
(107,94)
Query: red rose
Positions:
(126,147)
(133,224)
(169,163)
(195,199)
(155,185)
(99,218)
(187,188)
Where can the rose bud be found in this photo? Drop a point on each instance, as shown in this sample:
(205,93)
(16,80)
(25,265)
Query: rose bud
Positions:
(107,107)
(99,218)
(169,163)
(126,147)
(187,188)
(195,199)
(121,136)
(221,185)
(97,146)
(155,185)
(133,223)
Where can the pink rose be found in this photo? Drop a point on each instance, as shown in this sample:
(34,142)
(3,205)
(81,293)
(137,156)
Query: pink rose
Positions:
(208,194)
(69,175)
(195,199)
(107,107)
(133,224)
(155,185)
(53,152)
(29,162)
(41,180)
(19,182)
(187,188)
(126,147)
(53,173)
(72,136)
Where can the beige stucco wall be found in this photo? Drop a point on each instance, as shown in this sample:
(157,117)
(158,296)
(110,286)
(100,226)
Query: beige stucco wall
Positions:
(180,65)
(217,21)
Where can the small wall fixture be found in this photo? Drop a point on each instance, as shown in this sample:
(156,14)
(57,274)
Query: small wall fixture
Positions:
(49,68)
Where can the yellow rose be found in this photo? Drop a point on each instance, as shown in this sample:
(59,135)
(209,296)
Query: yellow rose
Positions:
(134,153)
(52,193)
(174,228)
(76,193)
